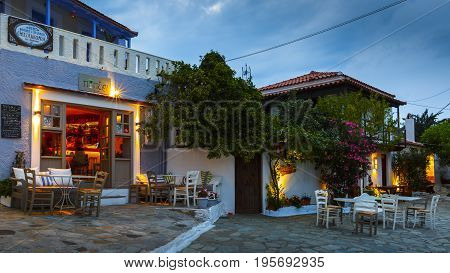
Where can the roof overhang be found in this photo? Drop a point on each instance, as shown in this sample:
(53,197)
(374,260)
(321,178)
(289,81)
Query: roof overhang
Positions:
(330,81)
(32,86)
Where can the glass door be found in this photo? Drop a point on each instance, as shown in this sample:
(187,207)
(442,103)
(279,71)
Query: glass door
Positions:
(105,145)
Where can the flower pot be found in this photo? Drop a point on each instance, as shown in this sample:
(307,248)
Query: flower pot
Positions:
(287,170)
(212,202)
(202,203)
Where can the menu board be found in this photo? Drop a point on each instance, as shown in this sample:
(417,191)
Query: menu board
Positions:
(11,121)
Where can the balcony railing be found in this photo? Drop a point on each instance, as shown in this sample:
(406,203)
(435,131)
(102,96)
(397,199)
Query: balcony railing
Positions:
(87,51)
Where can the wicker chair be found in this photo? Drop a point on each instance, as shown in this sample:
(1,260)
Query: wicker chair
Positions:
(37,197)
(90,197)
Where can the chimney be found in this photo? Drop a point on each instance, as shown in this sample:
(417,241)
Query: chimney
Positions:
(410,129)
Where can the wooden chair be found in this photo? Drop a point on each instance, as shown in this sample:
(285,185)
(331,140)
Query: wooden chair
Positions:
(326,212)
(18,193)
(424,215)
(188,190)
(90,197)
(37,197)
(365,212)
(391,211)
(421,204)
(140,192)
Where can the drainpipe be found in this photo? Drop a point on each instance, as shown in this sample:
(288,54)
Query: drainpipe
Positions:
(94,29)
(129,42)
(48,13)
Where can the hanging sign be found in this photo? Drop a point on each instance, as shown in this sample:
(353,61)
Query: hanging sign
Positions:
(94,84)
(11,121)
(29,34)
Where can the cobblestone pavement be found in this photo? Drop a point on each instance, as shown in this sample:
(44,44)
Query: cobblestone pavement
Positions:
(130,228)
(257,233)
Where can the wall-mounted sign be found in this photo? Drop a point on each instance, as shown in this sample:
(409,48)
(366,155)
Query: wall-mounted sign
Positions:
(94,84)
(29,34)
(11,121)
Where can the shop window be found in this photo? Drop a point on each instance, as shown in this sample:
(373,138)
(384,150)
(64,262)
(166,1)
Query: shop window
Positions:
(123,147)
(52,116)
(123,124)
(51,144)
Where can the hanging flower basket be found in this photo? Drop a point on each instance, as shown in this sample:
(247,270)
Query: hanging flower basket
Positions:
(287,169)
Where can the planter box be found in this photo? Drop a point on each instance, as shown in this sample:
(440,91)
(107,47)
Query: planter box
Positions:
(291,211)
(5,201)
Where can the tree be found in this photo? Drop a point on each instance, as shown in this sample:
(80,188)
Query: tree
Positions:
(423,122)
(371,113)
(292,132)
(437,140)
(343,158)
(209,107)
(410,166)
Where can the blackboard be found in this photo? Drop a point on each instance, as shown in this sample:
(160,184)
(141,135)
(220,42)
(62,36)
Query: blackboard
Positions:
(11,121)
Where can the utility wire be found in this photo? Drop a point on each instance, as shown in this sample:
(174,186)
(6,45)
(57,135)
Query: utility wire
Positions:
(320,31)
(431,107)
(389,35)
(445,107)
(440,93)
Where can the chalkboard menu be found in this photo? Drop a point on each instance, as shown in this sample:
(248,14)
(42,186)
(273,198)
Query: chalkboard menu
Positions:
(11,121)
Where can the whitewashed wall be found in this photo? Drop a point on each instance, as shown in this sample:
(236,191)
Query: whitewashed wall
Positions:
(304,181)
(376,174)
(179,161)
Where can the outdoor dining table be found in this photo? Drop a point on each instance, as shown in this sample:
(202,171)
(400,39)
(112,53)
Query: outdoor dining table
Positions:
(400,198)
(64,187)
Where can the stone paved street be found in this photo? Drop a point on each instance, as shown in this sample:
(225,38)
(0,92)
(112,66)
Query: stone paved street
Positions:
(257,233)
(130,228)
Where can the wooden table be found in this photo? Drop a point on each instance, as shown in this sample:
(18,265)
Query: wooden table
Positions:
(400,198)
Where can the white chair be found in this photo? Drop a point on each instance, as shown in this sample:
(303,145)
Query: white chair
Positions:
(188,190)
(326,212)
(391,211)
(365,211)
(429,214)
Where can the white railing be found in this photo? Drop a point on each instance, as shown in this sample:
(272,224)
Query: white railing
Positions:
(87,51)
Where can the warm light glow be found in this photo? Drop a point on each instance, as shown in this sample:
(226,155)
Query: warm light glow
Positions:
(36,120)
(430,169)
(374,162)
(114,91)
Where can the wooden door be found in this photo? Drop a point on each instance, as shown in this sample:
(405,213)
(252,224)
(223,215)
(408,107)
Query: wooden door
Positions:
(248,192)
(122,146)
(383,170)
(105,145)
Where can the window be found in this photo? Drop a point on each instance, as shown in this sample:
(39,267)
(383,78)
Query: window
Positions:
(122,147)
(38,17)
(167,67)
(158,66)
(51,116)
(51,144)
(2,7)
(123,124)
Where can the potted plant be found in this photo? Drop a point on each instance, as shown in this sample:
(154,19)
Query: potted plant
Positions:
(5,192)
(305,200)
(202,199)
(212,199)
(295,201)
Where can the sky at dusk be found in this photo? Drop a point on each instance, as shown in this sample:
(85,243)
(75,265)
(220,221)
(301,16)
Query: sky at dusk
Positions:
(412,63)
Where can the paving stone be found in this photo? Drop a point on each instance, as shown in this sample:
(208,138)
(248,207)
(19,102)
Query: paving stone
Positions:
(129,228)
(258,233)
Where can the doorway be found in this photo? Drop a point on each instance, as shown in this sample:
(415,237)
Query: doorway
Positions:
(87,140)
(248,192)
(383,170)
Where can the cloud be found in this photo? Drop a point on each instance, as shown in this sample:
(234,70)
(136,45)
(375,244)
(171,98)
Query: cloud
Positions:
(215,8)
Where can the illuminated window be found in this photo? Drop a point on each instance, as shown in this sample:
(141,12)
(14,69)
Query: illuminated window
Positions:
(51,144)
(52,116)
(123,124)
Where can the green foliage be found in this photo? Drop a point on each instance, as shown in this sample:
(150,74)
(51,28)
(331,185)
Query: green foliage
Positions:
(210,107)
(437,140)
(410,166)
(372,113)
(423,122)
(6,187)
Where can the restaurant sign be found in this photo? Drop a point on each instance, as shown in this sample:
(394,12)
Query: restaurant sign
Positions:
(29,34)
(94,84)
(11,121)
